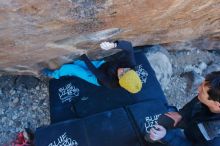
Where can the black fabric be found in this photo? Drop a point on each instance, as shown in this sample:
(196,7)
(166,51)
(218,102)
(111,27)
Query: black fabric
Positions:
(187,111)
(166,122)
(104,77)
(193,113)
(128,58)
(193,133)
(145,115)
(107,72)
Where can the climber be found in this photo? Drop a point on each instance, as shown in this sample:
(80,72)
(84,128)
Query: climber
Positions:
(200,118)
(112,74)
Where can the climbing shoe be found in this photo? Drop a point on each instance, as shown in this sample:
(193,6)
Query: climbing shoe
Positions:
(24,138)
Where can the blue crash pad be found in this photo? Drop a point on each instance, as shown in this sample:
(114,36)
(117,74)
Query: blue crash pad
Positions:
(145,116)
(111,129)
(68,133)
(151,89)
(103,99)
(88,99)
(71,97)
(103,129)
(63,93)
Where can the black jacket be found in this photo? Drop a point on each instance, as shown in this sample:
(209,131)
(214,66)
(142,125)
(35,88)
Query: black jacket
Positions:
(194,114)
(107,72)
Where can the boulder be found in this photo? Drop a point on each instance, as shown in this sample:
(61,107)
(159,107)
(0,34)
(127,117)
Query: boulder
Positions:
(213,67)
(159,61)
(47,33)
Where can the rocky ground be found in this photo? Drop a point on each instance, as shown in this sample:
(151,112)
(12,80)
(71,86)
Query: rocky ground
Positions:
(24,100)
(189,68)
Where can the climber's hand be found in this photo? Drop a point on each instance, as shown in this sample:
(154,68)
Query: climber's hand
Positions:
(108,45)
(157,132)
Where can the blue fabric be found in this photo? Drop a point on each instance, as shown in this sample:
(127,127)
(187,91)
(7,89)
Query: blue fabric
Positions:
(62,113)
(66,133)
(61,100)
(102,99)
(176,138)
(145,115)
(214,142)
(151,88)
(111,128)
(63,93)
(90,99)
(78,69)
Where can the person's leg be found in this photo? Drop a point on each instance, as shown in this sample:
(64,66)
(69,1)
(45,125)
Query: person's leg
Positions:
(81,63)
(75,70)
(78,69)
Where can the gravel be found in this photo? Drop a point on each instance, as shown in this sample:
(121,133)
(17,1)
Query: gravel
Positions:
(21,107)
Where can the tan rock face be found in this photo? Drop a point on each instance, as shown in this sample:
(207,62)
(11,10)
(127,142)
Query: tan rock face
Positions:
(40,33)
